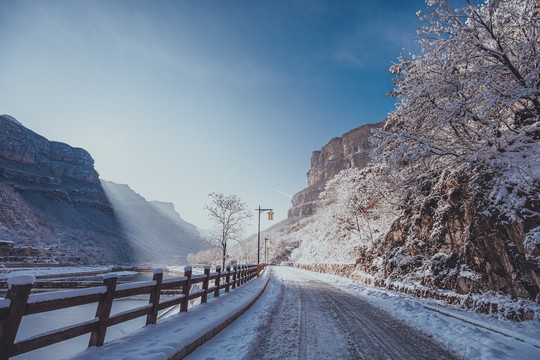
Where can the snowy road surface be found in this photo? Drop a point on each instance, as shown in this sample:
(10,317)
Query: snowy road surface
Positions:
(316,320)
(272,328)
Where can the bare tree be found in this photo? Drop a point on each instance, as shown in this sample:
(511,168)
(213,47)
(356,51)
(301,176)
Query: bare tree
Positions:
(229,213)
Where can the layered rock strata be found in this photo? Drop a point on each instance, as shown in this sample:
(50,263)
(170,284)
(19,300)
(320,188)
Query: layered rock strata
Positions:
(31,163)
(352,149)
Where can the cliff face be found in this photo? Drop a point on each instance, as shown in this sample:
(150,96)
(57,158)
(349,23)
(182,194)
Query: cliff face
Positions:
(31,163)
(350,150)
(449,243)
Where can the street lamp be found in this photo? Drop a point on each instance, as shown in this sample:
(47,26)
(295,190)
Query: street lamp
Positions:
(270,217)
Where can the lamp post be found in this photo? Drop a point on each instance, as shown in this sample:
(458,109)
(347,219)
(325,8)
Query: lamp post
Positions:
(270,217)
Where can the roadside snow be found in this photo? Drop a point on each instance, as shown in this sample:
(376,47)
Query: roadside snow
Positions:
(164,339)
(478,336)
(471,334)
(240,339)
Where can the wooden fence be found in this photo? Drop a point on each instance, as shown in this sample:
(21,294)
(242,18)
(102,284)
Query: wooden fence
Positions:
(19,302)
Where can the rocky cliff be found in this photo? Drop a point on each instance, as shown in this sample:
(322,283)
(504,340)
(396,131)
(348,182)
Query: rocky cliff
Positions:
(350,150)
(31,163)
(51,197)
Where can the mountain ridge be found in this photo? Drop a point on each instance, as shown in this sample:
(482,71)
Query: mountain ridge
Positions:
(52,196)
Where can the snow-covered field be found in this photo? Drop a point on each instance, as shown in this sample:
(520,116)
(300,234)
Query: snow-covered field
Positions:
(50,271)
(474,335)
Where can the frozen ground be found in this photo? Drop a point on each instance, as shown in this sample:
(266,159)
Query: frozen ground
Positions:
(352,324)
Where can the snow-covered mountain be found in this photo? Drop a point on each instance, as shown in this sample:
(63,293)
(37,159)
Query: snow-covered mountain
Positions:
(51,197)
(154,229)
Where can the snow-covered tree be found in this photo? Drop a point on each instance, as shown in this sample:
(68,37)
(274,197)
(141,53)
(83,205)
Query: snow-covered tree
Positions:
(229,213)
(469,102)
(354,198)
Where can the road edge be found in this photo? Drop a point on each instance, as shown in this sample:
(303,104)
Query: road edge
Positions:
(189,348)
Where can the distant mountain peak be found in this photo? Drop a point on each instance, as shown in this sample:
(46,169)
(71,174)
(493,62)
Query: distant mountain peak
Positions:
(11,118)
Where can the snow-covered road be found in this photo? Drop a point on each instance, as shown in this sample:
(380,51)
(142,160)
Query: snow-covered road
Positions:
(315,316)
(315,320)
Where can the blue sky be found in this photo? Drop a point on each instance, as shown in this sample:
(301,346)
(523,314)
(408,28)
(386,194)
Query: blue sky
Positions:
(179,99)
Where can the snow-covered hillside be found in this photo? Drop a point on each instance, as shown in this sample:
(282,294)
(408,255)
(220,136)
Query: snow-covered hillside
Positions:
(450,206)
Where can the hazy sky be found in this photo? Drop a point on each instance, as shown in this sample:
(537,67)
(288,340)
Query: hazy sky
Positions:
(182,98)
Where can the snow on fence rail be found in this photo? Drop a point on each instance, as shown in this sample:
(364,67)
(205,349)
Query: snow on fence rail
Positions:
(19,302)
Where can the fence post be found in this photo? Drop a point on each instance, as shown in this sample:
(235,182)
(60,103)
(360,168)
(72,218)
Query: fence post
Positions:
(154,297)
(205,283)
(19,288)
(103,312)
(239,277)
(186,289)
(218,270)
(242,273)
(258,270)
(235,267)
(228,278)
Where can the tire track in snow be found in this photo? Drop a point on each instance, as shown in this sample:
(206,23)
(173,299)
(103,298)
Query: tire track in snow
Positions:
(316,320)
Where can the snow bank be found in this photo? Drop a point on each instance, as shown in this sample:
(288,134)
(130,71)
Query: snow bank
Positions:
(166,338)
(21,280)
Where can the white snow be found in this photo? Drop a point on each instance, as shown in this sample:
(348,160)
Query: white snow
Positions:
(174,279)
(136,285)
(162,340)
(471,334)
(148,306)
(49,271)
(118,274)
(239,340)
(94,320)
(474,335)
(4,303)
(109,276)
(478,336)
(65,294)
(20,280)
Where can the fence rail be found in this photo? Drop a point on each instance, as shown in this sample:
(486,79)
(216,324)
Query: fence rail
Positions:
(20,302)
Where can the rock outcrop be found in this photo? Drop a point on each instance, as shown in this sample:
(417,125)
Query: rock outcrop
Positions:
(447,242)
(31,163)
(350,150)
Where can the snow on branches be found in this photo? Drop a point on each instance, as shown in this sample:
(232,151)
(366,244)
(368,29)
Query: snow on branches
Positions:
(354,213)
(470,102)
